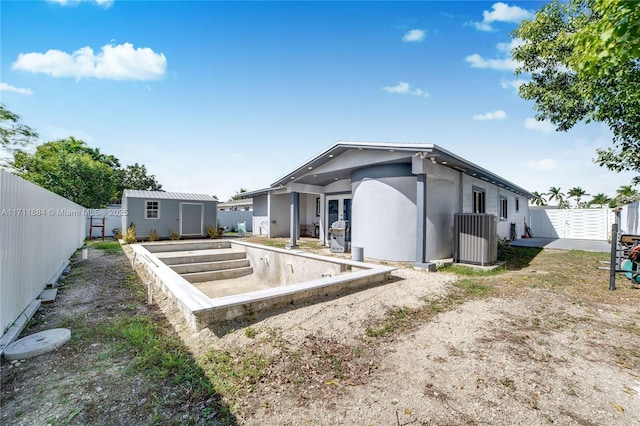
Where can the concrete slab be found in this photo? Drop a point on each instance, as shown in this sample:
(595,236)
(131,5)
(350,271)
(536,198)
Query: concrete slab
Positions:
(49,295)
(20,323)
(37,344)
(564,244)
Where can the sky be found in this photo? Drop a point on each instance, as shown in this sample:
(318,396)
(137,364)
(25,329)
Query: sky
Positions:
(217,96)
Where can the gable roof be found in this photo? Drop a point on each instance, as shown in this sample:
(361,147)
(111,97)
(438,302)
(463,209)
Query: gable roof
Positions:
(162,195)
(303,173)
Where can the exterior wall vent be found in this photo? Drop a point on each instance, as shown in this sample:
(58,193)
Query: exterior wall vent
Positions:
(475,238)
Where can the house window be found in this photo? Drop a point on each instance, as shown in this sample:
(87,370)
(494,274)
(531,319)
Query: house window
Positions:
(152,210)
(317,206)
(503,208)
(478,200)
(517,204)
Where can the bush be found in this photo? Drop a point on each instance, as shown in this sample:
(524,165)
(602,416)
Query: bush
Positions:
(153,235)
(173,235)
(215,232)
(117,233)
(130,236)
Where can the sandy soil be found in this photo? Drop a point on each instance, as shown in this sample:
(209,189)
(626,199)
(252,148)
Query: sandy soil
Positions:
(527,355)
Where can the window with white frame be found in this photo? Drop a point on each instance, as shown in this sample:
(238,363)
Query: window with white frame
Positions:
(479,200)
(504,208)
(152,210)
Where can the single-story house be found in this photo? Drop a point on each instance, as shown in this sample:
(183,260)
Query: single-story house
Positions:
(188,215)
(398,199)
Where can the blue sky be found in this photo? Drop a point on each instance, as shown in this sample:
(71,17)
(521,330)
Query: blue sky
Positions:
(217,96)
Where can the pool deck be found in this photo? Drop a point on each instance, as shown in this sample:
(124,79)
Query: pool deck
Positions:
(564,244)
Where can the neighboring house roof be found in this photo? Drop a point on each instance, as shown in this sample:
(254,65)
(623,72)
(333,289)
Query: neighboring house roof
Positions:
(135,193)
(303,173)
(236,203)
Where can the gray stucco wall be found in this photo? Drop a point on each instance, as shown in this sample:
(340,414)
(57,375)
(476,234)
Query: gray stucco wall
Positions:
(280,215)
(443,200)
(384,212)
(493,195)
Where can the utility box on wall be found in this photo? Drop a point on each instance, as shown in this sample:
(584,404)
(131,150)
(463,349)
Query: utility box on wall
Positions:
(475,238)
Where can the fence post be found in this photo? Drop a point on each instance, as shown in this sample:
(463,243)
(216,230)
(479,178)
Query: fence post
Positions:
(614,255)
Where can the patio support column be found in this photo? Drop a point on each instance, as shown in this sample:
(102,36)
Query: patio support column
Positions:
(295,220)
(421,224)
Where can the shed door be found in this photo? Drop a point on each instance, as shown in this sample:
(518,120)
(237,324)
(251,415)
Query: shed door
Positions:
(191,218)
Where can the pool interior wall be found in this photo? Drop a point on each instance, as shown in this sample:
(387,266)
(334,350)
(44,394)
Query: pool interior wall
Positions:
(293,276)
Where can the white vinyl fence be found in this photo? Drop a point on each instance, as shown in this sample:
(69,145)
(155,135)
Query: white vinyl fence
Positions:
(230,219)
(39,231)
(112,219)
(581,224)
(630,219)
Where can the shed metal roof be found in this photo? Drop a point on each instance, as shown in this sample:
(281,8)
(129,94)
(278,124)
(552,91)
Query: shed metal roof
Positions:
(161,195)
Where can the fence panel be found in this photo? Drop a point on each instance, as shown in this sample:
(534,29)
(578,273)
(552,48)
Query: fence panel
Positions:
(39,231)
(630,219)
(581,224)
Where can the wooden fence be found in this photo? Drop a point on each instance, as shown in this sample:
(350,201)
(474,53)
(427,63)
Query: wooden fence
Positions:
(39,231)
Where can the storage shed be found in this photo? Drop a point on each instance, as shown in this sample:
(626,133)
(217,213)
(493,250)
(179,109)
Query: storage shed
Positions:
(186,214)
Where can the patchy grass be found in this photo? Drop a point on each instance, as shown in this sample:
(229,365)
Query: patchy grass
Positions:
(111,247)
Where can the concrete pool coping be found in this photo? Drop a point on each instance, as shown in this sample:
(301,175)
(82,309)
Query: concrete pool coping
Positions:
(200,310)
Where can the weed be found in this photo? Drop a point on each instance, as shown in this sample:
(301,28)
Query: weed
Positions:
(508,383)
(250,332)
(474,288)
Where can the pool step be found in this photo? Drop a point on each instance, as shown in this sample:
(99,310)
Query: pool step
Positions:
(200,256)
(198,277)
(186,268)
(163,246)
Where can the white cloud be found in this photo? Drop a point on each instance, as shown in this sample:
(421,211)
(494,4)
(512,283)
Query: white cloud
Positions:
(513,84)
(506,62)
(414,35)
(119,62)
(541,126)
(102,3)
(495,115)
(478,61)
(542,164)
(405,89)
(502,12)
(4,87)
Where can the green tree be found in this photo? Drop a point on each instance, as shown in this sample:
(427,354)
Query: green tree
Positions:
(236,197)
(576,193)
(582,70)
(68,168)
(82,174)
(538,199)
(134,177)
(14,134)
(625,195)
(599,200)
(556,194)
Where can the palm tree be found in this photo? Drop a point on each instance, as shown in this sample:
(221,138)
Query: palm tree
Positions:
(538,199)
(600,200)
(556,194)
(577,193)
(626,195)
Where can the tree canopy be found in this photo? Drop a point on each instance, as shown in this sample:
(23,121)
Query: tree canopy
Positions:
(584,60)
(12,132)
(82,174)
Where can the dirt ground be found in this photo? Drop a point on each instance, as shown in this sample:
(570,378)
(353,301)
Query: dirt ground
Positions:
(545,344)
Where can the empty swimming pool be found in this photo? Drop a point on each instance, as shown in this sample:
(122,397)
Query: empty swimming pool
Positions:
(215,280)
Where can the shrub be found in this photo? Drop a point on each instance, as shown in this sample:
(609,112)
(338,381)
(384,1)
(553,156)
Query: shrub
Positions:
(130,236)
(215,232)
(153,235)
(173,235)
(117,233)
